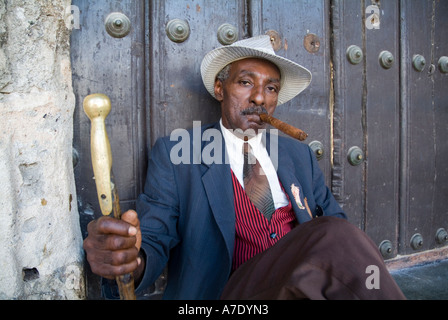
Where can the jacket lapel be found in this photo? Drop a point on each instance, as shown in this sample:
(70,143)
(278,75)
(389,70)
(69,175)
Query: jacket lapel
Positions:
(217,181)
(286,173)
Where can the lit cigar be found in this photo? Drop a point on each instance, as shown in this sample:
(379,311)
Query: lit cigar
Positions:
(284,127)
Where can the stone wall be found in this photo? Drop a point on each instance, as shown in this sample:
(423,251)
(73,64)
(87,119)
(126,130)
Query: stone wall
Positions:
(41,253)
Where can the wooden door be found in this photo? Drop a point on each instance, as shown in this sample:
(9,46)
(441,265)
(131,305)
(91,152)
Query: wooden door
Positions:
(424,148)
(366,116)
(395,115)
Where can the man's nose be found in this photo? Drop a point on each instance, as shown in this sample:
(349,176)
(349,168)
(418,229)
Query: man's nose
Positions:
(257,96)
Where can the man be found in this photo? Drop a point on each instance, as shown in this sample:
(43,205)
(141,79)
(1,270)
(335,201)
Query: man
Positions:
(259,222)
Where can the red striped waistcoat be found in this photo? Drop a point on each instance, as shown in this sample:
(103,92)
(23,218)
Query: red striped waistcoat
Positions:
(254,233)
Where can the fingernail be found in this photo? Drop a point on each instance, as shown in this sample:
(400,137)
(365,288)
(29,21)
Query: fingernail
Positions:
(139,260)
(132,231)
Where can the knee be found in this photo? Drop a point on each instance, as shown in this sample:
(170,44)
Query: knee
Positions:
(333,231)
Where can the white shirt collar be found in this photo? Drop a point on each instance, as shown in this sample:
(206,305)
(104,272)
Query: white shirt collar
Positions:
(234,149)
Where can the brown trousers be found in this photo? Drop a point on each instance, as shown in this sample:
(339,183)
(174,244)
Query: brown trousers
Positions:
(326,258)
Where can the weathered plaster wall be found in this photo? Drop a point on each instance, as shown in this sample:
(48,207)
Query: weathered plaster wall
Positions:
(40,241)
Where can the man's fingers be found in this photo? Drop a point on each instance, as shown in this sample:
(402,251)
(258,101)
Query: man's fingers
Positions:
(112,245)
(121,257)
(109,234)
(108,225)
(113,242)
(131,217)
(109,266)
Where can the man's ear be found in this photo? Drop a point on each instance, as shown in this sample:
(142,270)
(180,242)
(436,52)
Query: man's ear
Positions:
(218,90)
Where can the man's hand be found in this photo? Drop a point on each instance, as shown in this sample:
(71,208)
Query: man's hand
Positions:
(112,245)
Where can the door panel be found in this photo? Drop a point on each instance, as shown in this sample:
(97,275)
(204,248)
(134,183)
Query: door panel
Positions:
(396,116)
(348,129)
(419,137)
(424,133)
(177,94)
(440,211)
(382,125)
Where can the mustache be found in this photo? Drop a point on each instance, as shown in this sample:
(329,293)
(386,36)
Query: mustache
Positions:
(253,110)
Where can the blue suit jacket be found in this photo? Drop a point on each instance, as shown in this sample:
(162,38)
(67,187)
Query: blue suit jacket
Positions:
(188,216)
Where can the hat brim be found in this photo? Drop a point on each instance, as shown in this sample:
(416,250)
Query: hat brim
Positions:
(294,77)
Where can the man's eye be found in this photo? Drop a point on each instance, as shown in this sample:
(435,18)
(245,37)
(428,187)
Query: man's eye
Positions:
(273,89)
(245,82)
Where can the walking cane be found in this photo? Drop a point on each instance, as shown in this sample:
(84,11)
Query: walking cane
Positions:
(97,107)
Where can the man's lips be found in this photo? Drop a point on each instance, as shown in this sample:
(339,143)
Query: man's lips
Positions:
(254,118)
(253,114)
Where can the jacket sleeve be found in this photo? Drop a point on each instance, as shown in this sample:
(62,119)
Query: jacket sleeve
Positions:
(325,201)
(158,210)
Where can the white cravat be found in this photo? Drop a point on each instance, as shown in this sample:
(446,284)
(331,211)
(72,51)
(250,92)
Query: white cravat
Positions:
(234,147)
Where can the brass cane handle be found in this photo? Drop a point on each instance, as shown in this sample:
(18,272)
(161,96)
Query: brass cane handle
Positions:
(97,107)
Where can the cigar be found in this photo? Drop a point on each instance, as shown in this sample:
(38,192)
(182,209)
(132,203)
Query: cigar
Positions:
(283,127)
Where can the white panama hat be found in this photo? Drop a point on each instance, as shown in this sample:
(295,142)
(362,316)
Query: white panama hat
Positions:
(294,77)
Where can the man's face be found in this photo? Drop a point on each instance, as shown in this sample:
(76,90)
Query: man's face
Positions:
(252,83)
